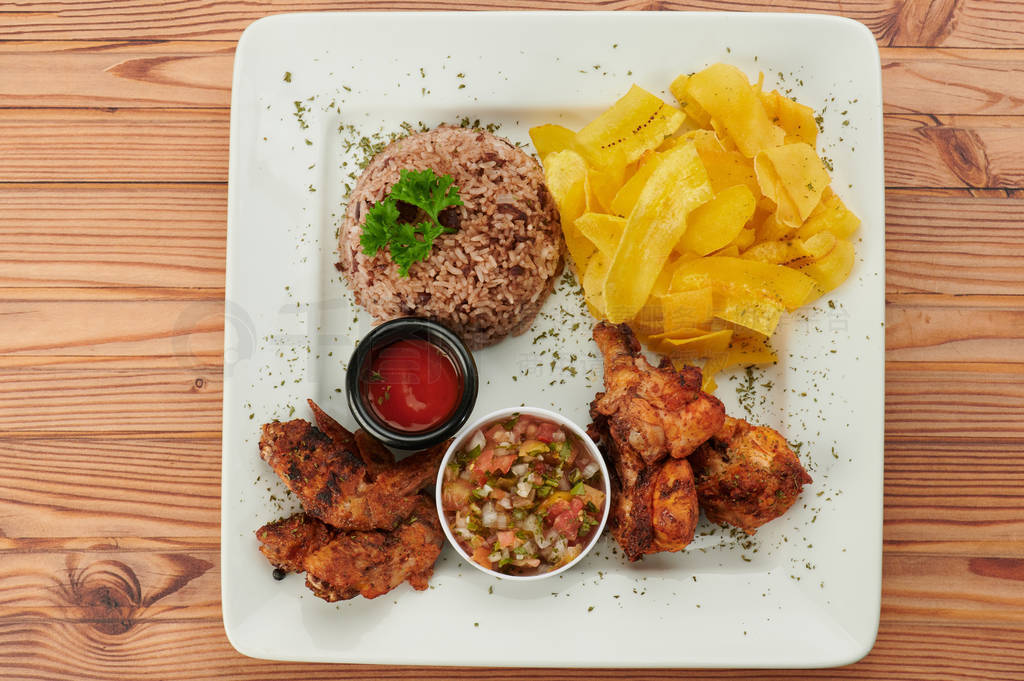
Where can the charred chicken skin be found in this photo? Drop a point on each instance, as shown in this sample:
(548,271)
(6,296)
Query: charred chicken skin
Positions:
(338,483)
(340,565)
(655,410)
(645,414)
(747,475)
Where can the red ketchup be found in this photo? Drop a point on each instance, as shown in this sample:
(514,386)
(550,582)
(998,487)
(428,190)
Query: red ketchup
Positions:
(412,385)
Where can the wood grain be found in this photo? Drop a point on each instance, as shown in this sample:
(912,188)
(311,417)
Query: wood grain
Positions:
(108,584)
(198,74)
(187,329)
(958,402)
(105,487)
(114,145)
(113,236)
(953,245)
(64,650)
(91,74)
(953,151)
(950,23)
(182,401)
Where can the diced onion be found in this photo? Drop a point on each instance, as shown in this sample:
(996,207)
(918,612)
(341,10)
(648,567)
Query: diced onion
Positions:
(478,440)
(488,516)
(589,470)
(520,469)
(505,502)
(523,488)
(502,521)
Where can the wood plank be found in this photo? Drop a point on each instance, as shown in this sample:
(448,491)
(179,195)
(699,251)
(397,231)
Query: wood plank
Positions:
(952,81)
(955,333)
(185,328)
(953,245)
(153,651)
(954,151)
(174,402)
(91,74)
(975,23)
(950,498)
(114,145)
(929,588)
(958,402)
(110,488)
(112,235)
(113,586)
(198,74)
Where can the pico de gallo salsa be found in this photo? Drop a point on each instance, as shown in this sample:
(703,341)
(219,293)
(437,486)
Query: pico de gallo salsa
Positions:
(523,496)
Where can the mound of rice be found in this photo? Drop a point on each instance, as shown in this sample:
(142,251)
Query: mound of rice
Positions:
(489,278)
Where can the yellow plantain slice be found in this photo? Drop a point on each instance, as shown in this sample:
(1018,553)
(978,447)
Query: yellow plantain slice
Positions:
(677,186)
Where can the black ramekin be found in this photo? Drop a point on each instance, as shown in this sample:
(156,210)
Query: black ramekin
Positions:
(435,334)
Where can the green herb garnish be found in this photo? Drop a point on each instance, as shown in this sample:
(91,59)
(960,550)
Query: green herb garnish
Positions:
(409,243)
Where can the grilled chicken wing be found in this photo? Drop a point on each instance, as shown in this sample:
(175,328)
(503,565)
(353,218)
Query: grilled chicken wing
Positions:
(631,520)
(340,565)
(675,510)
(375,455)
(747,475)
(334,483)
(645,414)
(654,508)
(655,410)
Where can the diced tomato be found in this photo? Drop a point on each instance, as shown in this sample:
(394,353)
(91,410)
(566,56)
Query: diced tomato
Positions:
(489,462)
(498,494)
(558,508)
(480,556)
(506,538)
(576,505)
(497,433)
(483,462)
(546,431)
(568,525)
(503,463)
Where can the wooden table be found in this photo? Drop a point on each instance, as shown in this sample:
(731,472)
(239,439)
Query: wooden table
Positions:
(113,185)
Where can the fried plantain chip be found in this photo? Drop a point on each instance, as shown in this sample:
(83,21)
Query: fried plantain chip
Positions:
(636,123)
(677,186)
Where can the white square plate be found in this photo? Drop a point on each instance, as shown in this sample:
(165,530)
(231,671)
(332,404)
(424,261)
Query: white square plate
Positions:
(803,593)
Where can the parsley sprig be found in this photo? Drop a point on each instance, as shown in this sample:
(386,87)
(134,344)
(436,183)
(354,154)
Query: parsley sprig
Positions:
(409,243)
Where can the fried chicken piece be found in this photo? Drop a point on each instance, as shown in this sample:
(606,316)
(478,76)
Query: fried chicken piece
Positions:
(747,475)
(631,520)
(335,485)
(674,507)
(340,565)
(654,508)
(653,410)
(645,414)
(375,455)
